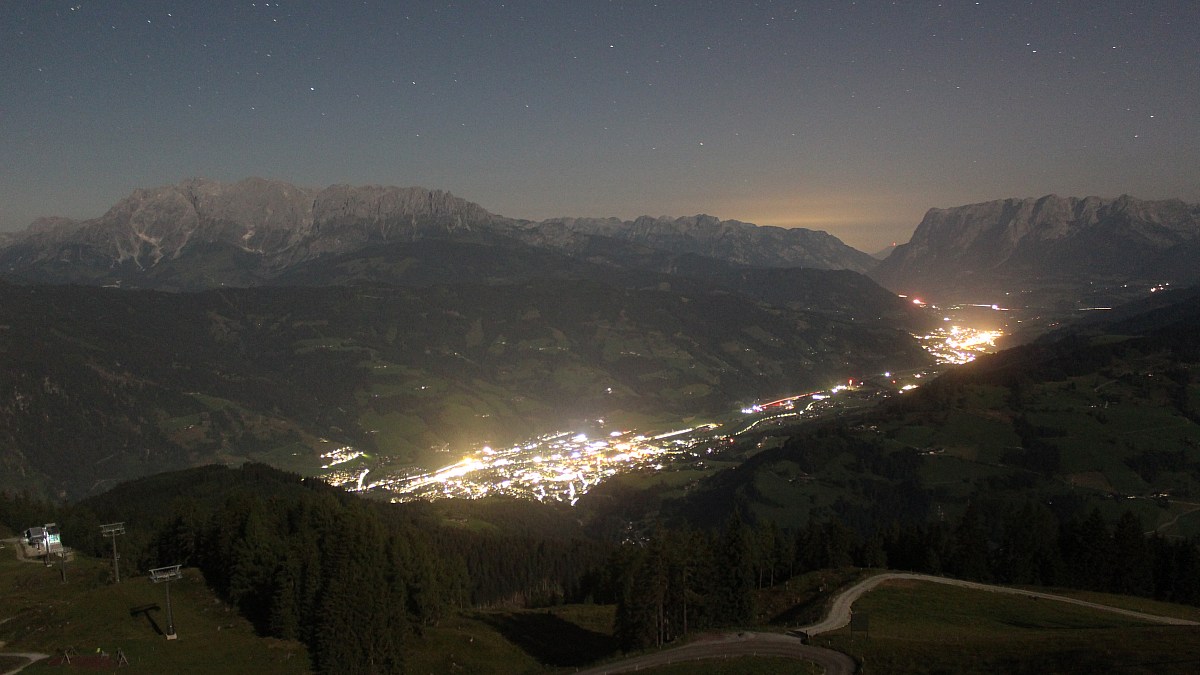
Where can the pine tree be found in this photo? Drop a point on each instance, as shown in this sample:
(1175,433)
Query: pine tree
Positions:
(1131,563)
(284,616)
(969,556)
(1087,552)
(734,595)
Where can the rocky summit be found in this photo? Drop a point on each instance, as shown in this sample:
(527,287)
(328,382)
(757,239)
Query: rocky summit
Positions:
(265,225)
(1014,243)
(711,237)
(200,234)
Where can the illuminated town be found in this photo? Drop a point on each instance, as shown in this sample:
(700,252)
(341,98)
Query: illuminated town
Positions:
(564,465)
(556,467)
(953,344)
(342,471)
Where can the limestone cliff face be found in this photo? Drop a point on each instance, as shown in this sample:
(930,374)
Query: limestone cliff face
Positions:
(1044,239)
(151,225)
(347,217)
(271,220)
(732,240)
(270,217)
(202,233)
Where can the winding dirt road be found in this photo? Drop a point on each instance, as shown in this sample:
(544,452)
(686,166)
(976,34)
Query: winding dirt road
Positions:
(839,612)
(834,662)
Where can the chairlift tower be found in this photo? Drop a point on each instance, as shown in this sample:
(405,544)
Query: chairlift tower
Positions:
(112,530)
(166,575)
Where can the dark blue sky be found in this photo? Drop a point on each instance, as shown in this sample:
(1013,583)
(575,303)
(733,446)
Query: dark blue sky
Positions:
(853,117)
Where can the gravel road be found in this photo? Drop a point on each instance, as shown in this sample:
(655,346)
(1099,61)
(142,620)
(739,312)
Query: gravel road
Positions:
(839,613)
(728,645)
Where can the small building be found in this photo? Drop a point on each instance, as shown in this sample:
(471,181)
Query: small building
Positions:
(35,537)
(44,539)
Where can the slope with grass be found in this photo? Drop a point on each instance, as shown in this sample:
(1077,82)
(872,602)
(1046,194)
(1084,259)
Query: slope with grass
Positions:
(917,626)
(840,608)
(95,620)
(924,624)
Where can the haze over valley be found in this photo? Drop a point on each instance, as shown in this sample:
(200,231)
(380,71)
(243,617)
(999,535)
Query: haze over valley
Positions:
(599,337)
(439,330)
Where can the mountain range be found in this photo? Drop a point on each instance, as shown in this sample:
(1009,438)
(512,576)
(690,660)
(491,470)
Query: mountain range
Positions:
(1016,244)
(202,234)
(339,331)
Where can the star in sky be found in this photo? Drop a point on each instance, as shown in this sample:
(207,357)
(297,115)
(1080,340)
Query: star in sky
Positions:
(853,117)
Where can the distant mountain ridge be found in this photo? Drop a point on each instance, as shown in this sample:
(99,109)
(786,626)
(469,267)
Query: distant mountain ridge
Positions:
(201,233)
(1045,240)
(711,237)
(271,224)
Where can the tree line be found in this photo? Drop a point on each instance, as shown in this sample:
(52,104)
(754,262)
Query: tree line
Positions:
(354,580)
(682,581)
(359,581)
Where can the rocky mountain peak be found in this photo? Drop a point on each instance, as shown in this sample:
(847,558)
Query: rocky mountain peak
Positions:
(1039,238)
(253,202)
(380,204)
(256,229)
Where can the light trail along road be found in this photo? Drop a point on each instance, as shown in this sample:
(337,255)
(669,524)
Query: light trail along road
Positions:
(834,662)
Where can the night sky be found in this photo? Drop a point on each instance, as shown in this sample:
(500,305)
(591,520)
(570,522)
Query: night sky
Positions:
(852,117)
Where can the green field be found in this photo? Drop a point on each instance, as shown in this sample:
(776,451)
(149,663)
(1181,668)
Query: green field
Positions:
(1130,602)
(91,616)
(745,665)
(461,644)
(521,641)
(918,627)
(88,615)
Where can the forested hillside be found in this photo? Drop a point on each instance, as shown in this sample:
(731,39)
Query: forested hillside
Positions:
(104,385)
(360,582)
(1106,419)
(355,580)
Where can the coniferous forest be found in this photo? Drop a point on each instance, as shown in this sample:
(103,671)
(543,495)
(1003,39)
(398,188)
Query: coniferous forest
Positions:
(354,580)
(357,581)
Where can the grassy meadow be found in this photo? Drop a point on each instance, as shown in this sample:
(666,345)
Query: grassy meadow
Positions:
(89,615)
(927,628)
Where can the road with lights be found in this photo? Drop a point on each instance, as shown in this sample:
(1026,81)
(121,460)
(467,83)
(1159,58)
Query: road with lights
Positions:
(564,465)
(555,467)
